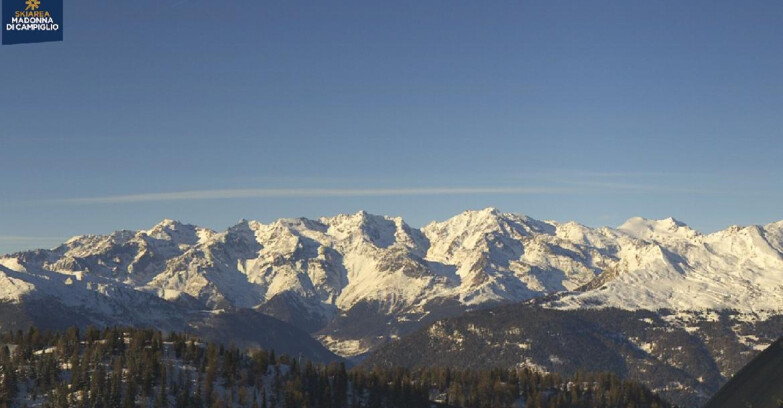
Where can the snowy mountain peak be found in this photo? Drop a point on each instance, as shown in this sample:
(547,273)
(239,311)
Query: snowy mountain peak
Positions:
(168,222)
(380,230)
(165,225)
(486,213)
(657,230)
(244,228)
(355,219)
(488,217)
(775,225)
(489,211)
(491,220)
(176,232)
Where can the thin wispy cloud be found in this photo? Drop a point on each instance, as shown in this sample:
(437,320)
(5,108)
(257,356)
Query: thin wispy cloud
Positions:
(603,174)
(603,185)
(632,174)
(560,186)
(647,176)
(25,239)
(627,182)
(312,192)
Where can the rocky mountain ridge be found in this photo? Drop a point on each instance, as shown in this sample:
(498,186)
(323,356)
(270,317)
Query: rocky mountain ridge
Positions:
(327,275)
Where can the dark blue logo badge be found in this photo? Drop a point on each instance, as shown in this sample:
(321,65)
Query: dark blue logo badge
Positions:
(32,21)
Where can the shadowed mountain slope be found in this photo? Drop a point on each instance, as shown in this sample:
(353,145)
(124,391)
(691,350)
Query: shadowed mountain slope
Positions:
(758,385)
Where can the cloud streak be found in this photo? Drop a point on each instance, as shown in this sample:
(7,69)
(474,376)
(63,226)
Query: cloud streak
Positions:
(17,238)
(310,192)
(600,185)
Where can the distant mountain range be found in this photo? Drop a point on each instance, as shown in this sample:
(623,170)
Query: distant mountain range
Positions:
(355,282)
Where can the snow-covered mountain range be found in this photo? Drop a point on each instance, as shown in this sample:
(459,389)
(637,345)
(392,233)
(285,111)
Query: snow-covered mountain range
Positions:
(355,281)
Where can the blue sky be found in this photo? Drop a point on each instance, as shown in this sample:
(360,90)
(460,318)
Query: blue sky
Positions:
(209,112)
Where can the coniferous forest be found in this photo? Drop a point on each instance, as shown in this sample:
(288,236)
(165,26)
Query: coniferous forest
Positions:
(123,367)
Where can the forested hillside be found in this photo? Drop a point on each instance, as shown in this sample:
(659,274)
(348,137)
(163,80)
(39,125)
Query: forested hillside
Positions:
(118,367)
(685,358)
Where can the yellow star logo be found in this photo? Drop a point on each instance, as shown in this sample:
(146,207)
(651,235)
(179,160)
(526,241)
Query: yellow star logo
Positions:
(32,4)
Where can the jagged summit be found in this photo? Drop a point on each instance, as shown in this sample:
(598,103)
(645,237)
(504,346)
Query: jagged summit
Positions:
(492,218)
(168,223)
(486,213)
(176,232)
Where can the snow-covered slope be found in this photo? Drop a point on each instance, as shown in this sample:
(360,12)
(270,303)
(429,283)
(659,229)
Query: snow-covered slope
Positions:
(666,265)
(320,273)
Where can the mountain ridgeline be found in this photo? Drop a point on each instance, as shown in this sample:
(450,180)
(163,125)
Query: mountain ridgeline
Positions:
(355,283)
